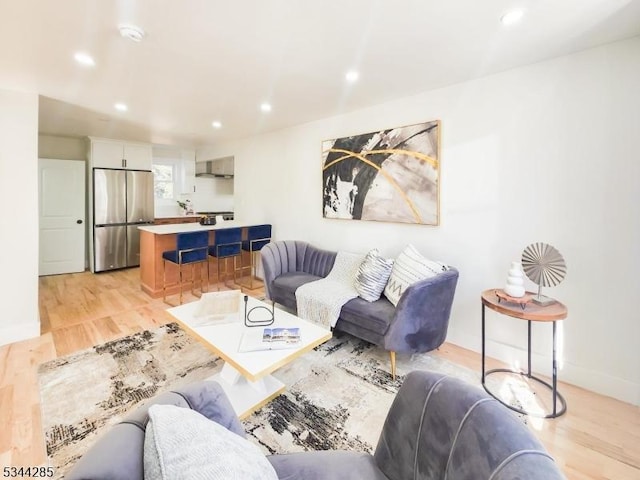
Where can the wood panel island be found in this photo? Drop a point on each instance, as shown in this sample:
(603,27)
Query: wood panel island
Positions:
(156,239)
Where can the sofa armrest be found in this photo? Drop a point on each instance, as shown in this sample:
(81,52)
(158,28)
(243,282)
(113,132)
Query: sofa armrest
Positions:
(422,315)
(286,256)
(118,453)
(451,429)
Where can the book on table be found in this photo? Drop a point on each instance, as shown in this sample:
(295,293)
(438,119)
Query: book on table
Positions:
(216,308)
(269,339)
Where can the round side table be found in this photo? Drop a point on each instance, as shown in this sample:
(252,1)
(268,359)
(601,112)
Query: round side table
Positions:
(530,312)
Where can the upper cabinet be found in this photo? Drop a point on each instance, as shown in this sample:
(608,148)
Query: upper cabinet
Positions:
(104,153)
(188,184)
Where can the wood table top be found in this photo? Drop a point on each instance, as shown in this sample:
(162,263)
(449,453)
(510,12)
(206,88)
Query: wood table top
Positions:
(531,311)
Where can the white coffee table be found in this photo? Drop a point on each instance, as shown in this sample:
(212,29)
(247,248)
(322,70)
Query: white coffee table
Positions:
(246,376)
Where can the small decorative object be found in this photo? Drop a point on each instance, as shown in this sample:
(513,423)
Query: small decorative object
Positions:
(186,206)
(261,322)
(522,301)
(515,281)
(545,266)
(215,308)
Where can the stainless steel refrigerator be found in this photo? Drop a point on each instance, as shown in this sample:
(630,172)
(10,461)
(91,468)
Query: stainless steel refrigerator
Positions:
(122,201)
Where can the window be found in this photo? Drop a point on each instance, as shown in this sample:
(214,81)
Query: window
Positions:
(164,181)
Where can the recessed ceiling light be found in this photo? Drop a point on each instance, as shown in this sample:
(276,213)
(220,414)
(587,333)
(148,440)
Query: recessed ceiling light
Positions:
(265,107)
(352,76)
(512,16)
(131,32)
(84,59)
(216,124)
(121,107)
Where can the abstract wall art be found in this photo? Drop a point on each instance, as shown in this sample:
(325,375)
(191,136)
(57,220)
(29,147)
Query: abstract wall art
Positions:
(392,175)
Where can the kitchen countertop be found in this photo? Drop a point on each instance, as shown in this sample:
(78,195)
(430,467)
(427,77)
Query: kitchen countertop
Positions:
(195,215)
(187,227)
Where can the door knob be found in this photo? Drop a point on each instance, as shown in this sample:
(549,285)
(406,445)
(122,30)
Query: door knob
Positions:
(78,222)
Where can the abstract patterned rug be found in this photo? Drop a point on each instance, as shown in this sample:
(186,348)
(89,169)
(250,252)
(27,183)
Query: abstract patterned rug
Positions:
(337,395)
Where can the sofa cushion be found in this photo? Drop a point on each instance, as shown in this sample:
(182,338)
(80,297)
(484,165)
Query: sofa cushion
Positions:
(180,443)
(374,316)
(409,268)
(372,276)
(283,287)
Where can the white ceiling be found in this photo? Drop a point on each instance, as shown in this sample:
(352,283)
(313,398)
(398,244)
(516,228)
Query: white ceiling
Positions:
(205,60)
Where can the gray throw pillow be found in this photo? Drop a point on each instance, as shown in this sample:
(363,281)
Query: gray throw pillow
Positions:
(410,267)
(372,276)
(180,443)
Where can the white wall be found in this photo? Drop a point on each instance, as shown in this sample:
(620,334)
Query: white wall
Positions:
(547,153)
(19,231)
(213,195)
(63,148)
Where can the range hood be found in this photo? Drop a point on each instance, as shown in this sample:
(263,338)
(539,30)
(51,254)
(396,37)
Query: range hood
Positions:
(217,168)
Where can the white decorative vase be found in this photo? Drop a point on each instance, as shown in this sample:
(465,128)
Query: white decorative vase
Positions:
(515,281)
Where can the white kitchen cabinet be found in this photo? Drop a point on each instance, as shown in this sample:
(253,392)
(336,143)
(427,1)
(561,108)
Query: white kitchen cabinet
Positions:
(188,184)
(116,154)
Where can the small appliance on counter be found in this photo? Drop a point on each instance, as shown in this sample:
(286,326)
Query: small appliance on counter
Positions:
(208,220)
(225,215)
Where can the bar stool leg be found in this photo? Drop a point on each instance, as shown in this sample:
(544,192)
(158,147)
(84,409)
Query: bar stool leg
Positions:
(180,277)
(164,281)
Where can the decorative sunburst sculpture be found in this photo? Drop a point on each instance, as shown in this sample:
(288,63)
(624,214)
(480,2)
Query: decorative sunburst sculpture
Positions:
(545,266)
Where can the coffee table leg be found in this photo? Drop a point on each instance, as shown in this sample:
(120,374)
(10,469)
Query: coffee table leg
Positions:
(247,396)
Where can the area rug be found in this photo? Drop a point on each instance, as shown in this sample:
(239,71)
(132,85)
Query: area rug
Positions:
(337,395)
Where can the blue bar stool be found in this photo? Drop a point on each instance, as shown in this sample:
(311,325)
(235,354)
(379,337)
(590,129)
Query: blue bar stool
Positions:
(227,243)
(191,248)
(257,237)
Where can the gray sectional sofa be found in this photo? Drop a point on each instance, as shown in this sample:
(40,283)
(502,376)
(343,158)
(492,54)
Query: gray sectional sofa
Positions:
(438,427)
(418,324)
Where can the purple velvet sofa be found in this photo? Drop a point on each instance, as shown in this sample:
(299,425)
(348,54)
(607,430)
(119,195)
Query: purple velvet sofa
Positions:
(418,324)
(438,427)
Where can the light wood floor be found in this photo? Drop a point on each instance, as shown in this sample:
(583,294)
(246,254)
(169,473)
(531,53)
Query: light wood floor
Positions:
(598,437)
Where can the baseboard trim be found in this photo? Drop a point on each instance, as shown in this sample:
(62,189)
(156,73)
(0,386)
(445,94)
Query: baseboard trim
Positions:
(18,333)
(592,380)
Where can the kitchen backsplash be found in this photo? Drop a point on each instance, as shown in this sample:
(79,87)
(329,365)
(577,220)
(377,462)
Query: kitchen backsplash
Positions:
(211,195)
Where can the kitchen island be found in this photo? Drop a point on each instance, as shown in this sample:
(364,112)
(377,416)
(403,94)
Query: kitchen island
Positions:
(156,239)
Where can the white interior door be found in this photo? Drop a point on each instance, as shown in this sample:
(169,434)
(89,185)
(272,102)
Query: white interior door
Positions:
(61,185)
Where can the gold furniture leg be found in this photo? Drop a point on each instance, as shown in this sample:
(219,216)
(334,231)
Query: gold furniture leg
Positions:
(393,364)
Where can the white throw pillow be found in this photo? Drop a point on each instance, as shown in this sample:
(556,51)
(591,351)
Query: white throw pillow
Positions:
(180,443)
(372,276)
(409,268)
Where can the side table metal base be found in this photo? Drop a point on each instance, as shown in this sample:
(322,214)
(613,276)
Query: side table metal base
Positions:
(558,396)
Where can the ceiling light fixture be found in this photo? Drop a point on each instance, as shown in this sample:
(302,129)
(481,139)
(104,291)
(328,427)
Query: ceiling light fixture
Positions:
(352,76)
(216,124)
(121,107)
(265,107)
(131,32)
(84,59)
(512,16)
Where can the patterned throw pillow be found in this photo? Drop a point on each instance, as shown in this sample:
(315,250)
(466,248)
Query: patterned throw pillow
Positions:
(409,268)
(180,443)
(372,276)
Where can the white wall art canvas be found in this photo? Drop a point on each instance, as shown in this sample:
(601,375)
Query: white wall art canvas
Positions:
(392,175)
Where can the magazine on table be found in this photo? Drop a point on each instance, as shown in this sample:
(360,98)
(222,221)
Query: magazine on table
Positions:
(269,339)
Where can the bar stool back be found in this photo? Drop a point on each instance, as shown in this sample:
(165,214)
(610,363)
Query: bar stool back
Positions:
(257,237)
(227,243)
(191,248)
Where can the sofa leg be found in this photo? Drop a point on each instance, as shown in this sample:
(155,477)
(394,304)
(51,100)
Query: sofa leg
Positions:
(393,364)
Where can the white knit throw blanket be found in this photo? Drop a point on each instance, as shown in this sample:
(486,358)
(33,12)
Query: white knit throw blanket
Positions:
(320,301)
